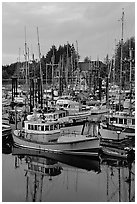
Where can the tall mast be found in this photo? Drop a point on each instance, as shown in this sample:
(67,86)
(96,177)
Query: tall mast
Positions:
(72,72)
(78,66)
(114,67)
(67,81)
(26,59)
(41,74)
(121,60)
(130,76)
(53,57)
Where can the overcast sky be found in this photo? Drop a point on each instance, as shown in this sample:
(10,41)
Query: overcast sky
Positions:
(94,25)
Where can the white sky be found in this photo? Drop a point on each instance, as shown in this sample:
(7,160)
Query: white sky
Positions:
(94,25)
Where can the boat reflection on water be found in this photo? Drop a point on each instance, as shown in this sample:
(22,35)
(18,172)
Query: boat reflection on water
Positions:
(120,175)
(54,176)
(49,166)
(82,162)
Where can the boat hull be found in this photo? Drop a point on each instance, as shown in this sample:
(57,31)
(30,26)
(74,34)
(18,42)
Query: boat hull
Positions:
(115,134)
(77,146)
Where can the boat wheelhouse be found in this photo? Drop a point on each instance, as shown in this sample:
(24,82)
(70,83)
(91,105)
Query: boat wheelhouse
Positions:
(41,130)
(118,126)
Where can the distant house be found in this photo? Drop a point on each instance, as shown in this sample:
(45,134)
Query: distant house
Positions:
(87,71)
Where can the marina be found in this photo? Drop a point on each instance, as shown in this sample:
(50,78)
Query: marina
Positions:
(68,125)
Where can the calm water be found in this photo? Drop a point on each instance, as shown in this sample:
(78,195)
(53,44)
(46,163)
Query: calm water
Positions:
(26,177)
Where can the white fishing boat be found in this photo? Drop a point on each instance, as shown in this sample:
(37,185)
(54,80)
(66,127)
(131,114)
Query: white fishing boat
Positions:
(119,125)
(79,113)
(75,144)
(46,135)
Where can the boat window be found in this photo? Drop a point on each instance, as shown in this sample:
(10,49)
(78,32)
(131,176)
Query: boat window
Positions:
(56,127)
(28,126)
(60,115)
(125,121)
(65,105)
(51,127)
(116,120)
(31,127)
(42,128)
(111,119)
(120,121)
(46,128)
(39,127)
(63,114)
(133,121)
(35,127)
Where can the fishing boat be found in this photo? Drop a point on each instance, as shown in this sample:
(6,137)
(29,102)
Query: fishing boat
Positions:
(46,135)
(118,153)
(75,110)
(119,125)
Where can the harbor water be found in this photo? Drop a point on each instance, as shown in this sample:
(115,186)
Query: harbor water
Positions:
(62,178)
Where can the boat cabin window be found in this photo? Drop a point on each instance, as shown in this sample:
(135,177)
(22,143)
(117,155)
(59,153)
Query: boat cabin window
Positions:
(65,105)
(39,127)
(28,126)
(125,121)
(56,127)
(42,128)
(60,115)
(51,127)
(35,127)
(120,121)
(133,121)
(112,119)
(63,114)
(46,128)
(31,127)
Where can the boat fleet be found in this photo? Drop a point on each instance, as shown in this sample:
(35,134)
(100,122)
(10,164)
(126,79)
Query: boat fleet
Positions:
(69,127)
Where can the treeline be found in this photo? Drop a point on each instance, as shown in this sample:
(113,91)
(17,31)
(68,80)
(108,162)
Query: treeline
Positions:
(67,56)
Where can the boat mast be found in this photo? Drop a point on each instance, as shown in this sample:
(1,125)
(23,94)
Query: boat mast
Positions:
(67,69)
(53,61)
(121,60)
(26,59)
(114,67)
(78,77)
(130,76)
(28,62)
(41,74)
